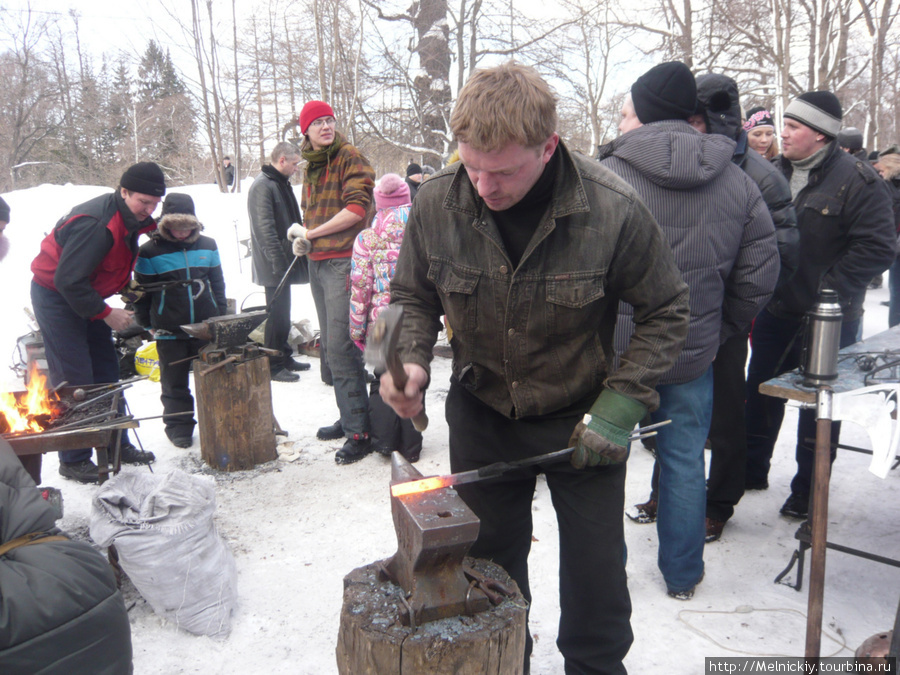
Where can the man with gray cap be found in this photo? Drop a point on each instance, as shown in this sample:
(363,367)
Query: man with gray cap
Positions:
(851,140)
(723,240)
(847,236)
(88,257)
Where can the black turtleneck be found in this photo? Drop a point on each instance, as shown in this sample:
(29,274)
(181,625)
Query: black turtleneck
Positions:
(518,223)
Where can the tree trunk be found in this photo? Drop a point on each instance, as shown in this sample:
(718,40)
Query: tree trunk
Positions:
(372,639)
(433,84)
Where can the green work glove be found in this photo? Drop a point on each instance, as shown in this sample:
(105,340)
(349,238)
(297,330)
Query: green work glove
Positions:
(601,438)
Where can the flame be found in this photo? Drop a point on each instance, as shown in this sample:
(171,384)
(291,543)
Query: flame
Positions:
(416,486)
(20,413)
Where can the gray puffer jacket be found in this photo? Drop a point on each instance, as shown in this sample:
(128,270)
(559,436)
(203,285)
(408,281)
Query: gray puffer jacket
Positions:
(60,609)
(717,225)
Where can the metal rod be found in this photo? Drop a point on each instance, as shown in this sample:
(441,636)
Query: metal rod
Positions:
(59,386)
(91,388)
(111,392)
(156,417)
(86,420)
(281,284)
(819,522)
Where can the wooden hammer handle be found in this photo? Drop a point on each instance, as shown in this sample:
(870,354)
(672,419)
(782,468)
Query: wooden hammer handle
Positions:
(398,374)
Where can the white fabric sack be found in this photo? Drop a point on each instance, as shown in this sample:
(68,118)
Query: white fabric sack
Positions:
(163,529)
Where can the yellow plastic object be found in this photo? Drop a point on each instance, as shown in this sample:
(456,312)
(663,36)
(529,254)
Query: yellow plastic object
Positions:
(146,361)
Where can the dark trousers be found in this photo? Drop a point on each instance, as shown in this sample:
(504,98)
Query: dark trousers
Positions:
(389,430)
(79,351)
(894,286)
(278,326)
(777,346)
(175,382)
(595,607)
(728,431)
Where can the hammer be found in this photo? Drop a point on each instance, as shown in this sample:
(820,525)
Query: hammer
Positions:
(381,352)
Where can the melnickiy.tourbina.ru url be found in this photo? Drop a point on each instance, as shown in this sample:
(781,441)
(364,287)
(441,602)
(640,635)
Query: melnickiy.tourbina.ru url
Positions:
(765,664)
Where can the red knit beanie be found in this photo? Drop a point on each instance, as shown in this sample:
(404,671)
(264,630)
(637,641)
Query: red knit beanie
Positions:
(313,111)
(391,190)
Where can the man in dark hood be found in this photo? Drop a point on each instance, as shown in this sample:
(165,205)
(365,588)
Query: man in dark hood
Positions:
(719,112)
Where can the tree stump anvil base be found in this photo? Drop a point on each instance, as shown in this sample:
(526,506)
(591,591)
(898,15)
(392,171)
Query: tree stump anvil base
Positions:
(373,640)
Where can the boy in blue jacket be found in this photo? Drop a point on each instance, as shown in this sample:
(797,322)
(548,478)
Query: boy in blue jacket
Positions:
(181,275)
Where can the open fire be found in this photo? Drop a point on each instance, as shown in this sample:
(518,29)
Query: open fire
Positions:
(30,411)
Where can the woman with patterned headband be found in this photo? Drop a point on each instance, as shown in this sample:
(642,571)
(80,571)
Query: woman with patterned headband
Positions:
(761,132)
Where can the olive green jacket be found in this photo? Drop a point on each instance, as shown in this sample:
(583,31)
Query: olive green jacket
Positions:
(537,338)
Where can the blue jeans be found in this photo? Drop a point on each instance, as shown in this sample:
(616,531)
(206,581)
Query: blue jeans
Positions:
(681,515)
(329,281)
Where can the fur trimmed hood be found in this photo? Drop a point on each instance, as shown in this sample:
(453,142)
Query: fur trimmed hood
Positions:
(178,221)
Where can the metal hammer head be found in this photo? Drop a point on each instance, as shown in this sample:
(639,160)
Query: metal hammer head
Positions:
(434,532)
(381,345)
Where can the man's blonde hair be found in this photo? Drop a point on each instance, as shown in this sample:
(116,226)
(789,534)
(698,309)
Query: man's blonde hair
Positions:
(507,104)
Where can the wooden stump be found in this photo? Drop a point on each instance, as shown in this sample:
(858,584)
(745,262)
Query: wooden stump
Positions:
(373,641)
(234,414)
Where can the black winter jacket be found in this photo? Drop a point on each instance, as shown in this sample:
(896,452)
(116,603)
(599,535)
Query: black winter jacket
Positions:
(847,235)
(273,208)
(183,279)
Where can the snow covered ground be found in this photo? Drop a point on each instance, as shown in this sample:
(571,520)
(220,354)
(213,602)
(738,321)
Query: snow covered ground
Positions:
(297,527)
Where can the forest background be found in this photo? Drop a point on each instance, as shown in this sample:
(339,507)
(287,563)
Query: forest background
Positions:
(184,83)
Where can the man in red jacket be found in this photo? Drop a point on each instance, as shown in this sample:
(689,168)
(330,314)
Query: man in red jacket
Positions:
(88,257)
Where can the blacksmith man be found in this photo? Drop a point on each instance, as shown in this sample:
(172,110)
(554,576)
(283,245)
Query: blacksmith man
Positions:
(528,249)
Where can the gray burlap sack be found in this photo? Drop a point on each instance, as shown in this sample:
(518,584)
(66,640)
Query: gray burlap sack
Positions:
(163,529)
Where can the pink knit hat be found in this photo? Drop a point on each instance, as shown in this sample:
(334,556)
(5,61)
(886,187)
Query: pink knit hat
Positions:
(391,190)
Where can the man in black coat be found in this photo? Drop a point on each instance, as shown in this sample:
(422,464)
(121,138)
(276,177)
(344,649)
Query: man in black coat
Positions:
(273,208)
(847,236)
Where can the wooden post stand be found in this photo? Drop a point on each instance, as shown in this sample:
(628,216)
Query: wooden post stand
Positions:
(373,641)
(234,413)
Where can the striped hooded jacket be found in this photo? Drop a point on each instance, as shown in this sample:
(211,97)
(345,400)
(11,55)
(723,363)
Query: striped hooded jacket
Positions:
(717,224)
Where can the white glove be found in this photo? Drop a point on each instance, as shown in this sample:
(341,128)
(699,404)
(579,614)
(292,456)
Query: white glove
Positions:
(301,246)
(296,231)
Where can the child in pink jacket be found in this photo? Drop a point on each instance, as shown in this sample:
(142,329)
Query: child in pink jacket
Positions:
(372,267)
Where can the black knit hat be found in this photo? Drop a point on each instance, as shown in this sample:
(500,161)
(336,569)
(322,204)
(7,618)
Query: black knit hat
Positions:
(413,169)
(144,177)
(665,92)
(819,110)
(4,210)
(850,138)
(178,202)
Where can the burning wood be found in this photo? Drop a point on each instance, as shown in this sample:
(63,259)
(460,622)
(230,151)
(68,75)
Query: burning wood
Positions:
(31,411)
